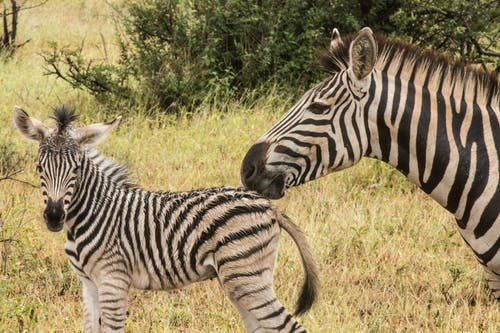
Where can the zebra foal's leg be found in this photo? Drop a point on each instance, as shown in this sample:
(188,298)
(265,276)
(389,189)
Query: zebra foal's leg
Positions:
(90,306)
(113,297)
(249,285)
(256,302)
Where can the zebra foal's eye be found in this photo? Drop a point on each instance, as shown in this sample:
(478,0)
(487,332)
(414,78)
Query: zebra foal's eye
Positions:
(318,108)
(39,168)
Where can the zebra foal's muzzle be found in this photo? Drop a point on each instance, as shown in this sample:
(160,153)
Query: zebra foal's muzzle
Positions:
(54,215)
(255,177)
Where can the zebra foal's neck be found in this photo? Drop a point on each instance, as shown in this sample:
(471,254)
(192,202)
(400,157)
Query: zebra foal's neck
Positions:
(102,183)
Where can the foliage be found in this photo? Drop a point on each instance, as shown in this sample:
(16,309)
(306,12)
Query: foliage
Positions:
(10,17)
(468,29)
(10,159)
(179,52)
(372,233)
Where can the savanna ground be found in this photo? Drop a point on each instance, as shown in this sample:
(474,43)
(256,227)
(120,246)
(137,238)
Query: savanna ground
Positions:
(390,258)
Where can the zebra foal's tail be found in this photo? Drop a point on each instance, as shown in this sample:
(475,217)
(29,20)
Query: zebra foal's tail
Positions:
(309,291)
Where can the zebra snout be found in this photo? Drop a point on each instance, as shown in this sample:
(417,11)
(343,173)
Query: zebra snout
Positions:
(54,215)
(256,177)
(253,165)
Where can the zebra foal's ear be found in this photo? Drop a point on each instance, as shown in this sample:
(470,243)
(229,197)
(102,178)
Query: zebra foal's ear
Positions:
(95,133)
(29,127)
(335,40)
(363,54)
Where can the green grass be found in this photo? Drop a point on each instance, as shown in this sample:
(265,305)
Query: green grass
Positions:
(390,259)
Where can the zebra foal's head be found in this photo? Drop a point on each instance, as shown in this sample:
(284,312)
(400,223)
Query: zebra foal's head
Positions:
(323,131)
(60,155)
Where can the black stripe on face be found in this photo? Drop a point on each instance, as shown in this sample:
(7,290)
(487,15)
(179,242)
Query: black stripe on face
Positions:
(280,149)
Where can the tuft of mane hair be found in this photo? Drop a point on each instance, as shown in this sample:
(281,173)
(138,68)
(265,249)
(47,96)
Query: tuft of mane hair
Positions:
(337,59)
(117,173)
(64,116)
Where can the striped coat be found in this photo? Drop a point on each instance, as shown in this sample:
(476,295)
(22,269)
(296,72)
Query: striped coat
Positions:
(435,120)
(120,236)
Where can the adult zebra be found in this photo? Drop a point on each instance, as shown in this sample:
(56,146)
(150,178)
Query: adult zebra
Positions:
(435,120)
(120,236)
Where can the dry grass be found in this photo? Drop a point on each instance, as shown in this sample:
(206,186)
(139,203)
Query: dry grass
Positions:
(391,260)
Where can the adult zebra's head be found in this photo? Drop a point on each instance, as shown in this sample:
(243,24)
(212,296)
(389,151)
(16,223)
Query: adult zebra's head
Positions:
(59,157)
(324,131)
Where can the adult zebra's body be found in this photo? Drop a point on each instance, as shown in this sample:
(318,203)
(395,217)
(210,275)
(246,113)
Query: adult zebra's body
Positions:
(434,120)
(120,236)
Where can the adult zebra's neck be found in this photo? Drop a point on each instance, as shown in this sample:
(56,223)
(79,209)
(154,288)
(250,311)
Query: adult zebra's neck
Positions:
(440,129)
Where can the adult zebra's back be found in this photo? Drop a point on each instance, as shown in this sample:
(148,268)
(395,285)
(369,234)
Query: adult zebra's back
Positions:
(434,120)
(119,236)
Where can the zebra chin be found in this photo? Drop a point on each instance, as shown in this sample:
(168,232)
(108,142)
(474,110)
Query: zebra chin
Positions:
(54,226)
(271,186)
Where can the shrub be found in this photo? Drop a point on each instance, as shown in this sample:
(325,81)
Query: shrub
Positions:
(179,52)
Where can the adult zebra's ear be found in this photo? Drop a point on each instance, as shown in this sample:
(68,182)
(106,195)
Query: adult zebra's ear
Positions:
(95,133)
(362,54)
(29,127)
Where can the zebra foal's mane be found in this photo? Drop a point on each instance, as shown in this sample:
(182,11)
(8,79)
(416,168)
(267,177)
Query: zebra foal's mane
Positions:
(119,174)
(426,61)
(64,117)
(116,172)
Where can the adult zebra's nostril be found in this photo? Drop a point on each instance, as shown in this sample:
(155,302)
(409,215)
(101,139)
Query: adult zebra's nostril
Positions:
(249,173)
(253,164)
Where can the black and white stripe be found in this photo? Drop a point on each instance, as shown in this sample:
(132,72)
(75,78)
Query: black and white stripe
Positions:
(435,120)
(120,236)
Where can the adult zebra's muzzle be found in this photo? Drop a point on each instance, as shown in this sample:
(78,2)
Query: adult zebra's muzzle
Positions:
(54,215)
(255,177)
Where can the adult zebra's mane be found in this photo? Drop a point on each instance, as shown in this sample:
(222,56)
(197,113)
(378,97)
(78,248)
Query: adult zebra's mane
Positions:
(438,67)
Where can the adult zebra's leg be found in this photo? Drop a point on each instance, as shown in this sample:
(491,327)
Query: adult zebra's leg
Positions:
(113,297)
(90,306)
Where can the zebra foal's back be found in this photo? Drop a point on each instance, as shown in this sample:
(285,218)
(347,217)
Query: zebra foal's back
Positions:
(119,236)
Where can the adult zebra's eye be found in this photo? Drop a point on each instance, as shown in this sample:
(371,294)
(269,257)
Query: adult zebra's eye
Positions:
(39,168)
(318,108)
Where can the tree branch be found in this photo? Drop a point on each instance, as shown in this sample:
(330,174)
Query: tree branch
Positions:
(481,51)
(11,175)
(19,8)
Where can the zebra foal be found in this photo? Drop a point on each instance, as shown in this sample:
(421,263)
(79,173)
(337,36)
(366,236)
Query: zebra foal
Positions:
(120,236)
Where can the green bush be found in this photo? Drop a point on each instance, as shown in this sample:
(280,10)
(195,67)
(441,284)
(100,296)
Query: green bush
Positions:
(180,52)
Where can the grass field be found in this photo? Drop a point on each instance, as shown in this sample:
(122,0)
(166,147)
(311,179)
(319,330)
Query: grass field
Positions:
(391,260)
